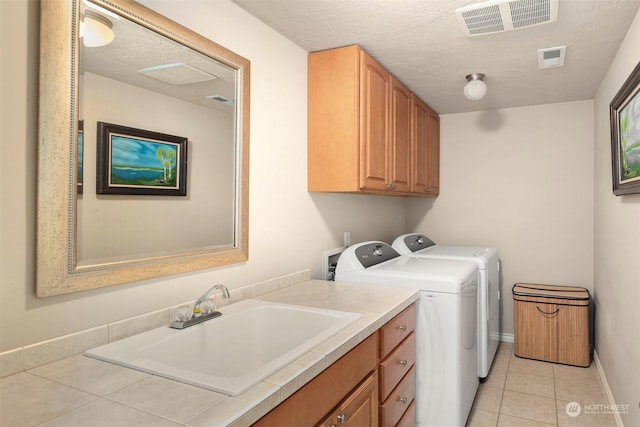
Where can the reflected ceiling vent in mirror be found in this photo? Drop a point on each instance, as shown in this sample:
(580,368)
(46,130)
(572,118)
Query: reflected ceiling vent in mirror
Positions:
(221,99)
(496,16)
(177,74)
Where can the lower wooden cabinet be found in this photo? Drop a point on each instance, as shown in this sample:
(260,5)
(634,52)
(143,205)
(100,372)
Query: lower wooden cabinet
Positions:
(358,409)
(409,417)
(399,401)
(372,385)
(396,370)
(338,387)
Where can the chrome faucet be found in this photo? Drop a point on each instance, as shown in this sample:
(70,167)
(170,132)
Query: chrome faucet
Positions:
(199,318)
(222,288)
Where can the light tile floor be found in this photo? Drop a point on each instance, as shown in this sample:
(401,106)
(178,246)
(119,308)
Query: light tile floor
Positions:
(527,393)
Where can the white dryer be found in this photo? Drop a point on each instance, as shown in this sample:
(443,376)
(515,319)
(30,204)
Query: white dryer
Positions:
(446,331)
(419,245)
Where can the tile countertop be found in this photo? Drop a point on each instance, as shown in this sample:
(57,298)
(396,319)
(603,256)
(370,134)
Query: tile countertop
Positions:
(79,391)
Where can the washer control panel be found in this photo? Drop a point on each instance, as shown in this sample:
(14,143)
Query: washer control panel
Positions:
(416,242)
(375,253)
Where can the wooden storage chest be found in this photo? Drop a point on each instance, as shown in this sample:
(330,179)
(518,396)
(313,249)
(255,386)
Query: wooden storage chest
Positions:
(552,323)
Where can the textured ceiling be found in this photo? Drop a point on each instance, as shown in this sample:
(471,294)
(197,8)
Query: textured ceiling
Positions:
(421,43)
(136,47)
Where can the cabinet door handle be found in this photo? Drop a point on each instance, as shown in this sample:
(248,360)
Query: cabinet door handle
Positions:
(404,400)
(403,327)
(403,362)
(342,418)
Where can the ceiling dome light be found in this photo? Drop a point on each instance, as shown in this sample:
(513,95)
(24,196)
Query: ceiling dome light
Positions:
(475,88)
(95,30)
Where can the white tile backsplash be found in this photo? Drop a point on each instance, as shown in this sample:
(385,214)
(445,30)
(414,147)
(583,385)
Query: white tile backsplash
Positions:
(32,356)
(11,362)
(136,325)
(59,348)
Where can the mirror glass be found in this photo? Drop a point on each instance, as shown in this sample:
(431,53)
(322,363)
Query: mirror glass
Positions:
(154,118)
(146,81)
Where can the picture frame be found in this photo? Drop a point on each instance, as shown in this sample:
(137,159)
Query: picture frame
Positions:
(625,136)
(140,162)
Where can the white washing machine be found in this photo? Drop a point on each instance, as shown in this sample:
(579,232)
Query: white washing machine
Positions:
(446,348)
(488,287)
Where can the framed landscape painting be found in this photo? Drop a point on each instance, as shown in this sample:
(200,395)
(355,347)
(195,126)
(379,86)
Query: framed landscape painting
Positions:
(136,161)
(625,136)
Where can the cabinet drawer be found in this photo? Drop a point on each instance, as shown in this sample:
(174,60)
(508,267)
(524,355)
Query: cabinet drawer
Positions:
(399,400)
(409,417)
(395,330)
(396,365)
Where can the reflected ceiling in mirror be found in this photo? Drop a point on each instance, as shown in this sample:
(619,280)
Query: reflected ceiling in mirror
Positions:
(154,77)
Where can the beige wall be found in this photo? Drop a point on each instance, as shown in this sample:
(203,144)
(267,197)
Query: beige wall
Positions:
(518,179)
(617,249)
(288,230)
(115,226)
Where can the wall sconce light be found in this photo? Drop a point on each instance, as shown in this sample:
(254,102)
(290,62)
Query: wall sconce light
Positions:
(475,88)
(95,30)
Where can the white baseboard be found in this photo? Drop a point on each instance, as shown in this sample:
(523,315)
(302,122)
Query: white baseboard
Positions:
(506,337)
(607,389)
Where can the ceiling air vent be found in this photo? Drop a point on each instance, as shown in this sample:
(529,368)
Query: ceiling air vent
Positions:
(220,98)
(177,74)
(551,57)
(495,16)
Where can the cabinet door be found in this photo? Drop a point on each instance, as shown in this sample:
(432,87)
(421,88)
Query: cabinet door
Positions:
(400,144)
(425,149)
(374,123)
(360,409)
(314,402)
(433,174)
(419,145)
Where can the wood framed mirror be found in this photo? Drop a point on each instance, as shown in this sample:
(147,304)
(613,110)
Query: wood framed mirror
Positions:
(152,82)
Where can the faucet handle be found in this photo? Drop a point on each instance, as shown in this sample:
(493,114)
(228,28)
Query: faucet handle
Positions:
(208,306)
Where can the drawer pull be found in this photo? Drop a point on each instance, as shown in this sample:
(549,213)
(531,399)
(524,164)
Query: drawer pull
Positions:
(403,327)
(342,418)
(403,362)
(404,400)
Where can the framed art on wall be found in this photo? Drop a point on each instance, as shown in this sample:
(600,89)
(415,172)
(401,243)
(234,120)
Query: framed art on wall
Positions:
(136,161)
(625,136)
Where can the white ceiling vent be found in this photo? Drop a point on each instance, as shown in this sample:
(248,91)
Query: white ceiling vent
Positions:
(177,74)
(551,57)
(220,98)
(495,16)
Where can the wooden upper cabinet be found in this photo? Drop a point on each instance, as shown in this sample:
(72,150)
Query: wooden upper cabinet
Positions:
(425,149)
(374,124)
(433,181)
(359,126)
(400,144)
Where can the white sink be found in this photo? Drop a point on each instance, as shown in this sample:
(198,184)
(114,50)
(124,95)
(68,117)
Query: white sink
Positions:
(231,353)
